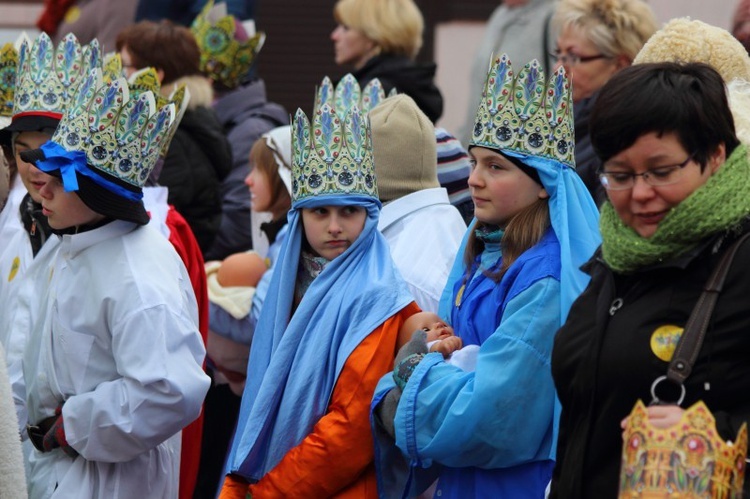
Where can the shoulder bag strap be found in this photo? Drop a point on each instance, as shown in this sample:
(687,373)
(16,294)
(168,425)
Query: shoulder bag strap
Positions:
(695,330)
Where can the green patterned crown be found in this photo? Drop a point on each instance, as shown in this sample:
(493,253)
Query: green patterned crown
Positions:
(121,132)
(48,79)
(147,80)
(333,154)
(524,114)
(348,94)
(223,57)
(8,70)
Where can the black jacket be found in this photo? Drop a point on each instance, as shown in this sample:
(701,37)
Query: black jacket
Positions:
(407,77)
(199,158)
(587,162)
(603,361)
(245,114)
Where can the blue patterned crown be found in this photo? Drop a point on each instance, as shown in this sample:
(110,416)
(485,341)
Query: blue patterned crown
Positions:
(8,71)
(333,154)
(348,94)
(223,57)
(147,80)
(121,133)
(48,79)
(524,114)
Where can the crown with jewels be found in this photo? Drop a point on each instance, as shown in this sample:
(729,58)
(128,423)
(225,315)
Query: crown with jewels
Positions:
(688,459)
(333,153)
(525,114)
(48,78)
(223,57)
(147,80)
(348,93)
(121,133)
(8,71)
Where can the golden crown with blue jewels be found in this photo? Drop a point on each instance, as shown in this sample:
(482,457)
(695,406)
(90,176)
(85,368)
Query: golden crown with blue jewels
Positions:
(8,72)
(348,93)
(147,80)
(223,57)
(48,78)
(688,459)
(526,114)
(332,154)
(121,134)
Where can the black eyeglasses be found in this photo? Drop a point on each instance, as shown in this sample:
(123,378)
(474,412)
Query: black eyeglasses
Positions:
(665,175)
(573,59)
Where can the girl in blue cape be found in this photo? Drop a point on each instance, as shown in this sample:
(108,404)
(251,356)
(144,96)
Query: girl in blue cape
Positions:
(328,328)
(493,431)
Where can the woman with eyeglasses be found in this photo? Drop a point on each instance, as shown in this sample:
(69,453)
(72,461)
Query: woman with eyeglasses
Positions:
(597,38)
(677,181)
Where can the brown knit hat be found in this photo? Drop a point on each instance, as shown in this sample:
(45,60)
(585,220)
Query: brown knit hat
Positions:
(404,148)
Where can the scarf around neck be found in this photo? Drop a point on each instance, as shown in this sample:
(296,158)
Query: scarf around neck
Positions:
(719,204)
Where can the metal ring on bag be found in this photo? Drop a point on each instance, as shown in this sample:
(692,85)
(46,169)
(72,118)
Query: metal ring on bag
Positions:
(655,399)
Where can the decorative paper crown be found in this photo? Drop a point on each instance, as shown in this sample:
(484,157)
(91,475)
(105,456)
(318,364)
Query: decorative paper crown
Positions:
(348,94)
(524,115)
(689,459)
(334,155)
(223,57)
(48,79)
(120,133)
(8,71)
(147,80)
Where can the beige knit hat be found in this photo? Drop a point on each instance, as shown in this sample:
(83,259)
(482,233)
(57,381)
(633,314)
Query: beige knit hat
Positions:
(404,148)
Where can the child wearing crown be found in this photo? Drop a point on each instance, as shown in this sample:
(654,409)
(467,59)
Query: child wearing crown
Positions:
(493,430)
(327,330)
(112,366)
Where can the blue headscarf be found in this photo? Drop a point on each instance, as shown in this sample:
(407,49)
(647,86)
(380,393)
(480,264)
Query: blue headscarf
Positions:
(574,218)
(295,362)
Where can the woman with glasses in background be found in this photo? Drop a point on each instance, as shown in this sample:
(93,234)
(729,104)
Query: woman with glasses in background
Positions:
(597,38)
(677,180)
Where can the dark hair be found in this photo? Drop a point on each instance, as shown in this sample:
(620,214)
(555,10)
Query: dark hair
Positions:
(163,45)
(686,99)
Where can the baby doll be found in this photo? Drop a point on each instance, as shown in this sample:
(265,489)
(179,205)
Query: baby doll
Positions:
(231,285)
(440,339)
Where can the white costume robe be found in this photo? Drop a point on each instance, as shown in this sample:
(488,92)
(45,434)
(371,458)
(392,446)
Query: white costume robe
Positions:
(116,339)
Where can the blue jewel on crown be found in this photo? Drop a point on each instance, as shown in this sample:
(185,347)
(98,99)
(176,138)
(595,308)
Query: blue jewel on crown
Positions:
(315,181)
(503,134)
(346,179)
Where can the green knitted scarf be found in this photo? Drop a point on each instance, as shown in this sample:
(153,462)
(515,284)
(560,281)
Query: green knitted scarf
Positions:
(719,204)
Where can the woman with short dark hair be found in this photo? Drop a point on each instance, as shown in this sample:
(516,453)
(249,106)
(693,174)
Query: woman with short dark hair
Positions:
(677,180)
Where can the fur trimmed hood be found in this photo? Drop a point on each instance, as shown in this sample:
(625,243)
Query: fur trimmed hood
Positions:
(201,91)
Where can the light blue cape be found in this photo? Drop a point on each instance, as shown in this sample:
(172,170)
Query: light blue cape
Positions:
(294,363)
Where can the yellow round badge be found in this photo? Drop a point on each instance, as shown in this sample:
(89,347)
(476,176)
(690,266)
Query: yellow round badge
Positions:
(14,268)
(664,341)
(72,14)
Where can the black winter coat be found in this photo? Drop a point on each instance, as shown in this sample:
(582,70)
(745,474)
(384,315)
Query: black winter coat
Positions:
(198,159)
(603,359)
(413,79)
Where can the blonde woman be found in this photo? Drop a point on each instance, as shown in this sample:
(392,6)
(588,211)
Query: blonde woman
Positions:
(597,38)
(380,39)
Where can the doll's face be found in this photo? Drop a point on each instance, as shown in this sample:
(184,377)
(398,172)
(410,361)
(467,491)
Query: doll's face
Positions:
(330,230)
(430,323)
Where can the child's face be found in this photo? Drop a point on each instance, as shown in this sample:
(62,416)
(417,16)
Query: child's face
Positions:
(499,188)
(65,209)
(32,177)
(260,190)
(330,230)
(430,323)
